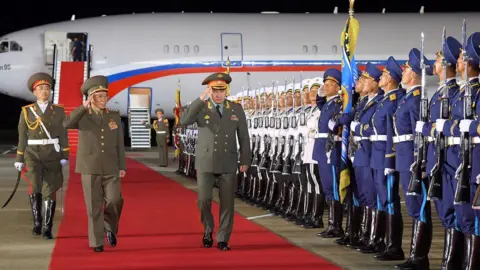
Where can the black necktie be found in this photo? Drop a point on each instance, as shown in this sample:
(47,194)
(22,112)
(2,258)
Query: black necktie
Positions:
(218,110)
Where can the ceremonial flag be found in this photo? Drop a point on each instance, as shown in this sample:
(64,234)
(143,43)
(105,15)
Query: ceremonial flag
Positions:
(349,75)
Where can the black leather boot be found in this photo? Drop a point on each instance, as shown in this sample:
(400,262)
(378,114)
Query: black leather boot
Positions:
(345,239)
(467,246)
(330,219)
(393,236)
(271,196)
(335,230)
(474,259)
(365,225)
(282,192)
(301,207)
(376,242)
(452,254)
(294,198)
(318,210)
(49,214)
(422,240)
(36,206)
(355,240)
(308,199)
(266,191)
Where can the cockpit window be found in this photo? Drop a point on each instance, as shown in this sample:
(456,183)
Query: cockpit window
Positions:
(15,47)
(4,47)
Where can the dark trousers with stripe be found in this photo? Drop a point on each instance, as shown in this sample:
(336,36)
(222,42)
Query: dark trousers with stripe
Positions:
(364,189)
(444,207)
(387,187)
(416,205)
(329,176)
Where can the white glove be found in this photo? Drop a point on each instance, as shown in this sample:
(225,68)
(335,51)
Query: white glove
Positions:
(465,125)
(419,126)
(353,125)
(63,162)
(321,92)
(18,166)
(331,124)
(352,158)
(439,124)
(389,171)
(478,179)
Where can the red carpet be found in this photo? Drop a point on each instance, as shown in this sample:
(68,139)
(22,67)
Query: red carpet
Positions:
(160,229)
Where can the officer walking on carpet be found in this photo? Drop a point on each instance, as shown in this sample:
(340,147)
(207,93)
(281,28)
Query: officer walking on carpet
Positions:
(43,146)
(162,129)
(219,123)
(100,160)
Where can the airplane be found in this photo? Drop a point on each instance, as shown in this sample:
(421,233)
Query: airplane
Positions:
(158,50)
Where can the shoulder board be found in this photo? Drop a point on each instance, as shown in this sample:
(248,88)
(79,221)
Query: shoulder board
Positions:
(338,100)
(393,97)
(416,93)
(475,84)
(58,105)
(27,106)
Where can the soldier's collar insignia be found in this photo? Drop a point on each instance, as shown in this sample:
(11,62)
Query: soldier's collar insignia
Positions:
(112,125)
(393,97)
(416,93)
(227,105)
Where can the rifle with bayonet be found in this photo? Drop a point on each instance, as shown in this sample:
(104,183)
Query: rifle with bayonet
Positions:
(462,193)
(300,141)
(419,168)
(257,125)
(436,174)
(275,119)
(267,139)
(281,139)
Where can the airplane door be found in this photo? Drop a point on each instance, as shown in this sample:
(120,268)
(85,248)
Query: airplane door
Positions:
(232,47)
(59,39)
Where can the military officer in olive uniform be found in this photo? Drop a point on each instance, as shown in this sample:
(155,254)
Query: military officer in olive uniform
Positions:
(219,123)
(161,127)
(43,146)
(100,160)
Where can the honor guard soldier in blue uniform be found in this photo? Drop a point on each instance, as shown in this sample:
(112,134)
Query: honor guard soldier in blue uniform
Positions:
(444,206)
(352,227)
(365,185)
(469,224)
(383,227)
(404,124)
(326,153)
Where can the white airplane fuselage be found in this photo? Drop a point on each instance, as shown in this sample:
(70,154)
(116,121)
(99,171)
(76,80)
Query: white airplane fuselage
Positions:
(157,50)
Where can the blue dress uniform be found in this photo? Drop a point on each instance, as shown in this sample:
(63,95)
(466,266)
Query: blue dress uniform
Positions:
(418,207)
(378,129)
(329,167)
(444,206)
(472,239)
(352,236)
(363,173)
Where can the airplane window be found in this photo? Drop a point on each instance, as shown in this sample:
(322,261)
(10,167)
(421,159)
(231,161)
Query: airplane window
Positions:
(166,48)
(196,49)
(315,48)
(4,47)
(15,47)
(176,48)
(305,49)
(186,49)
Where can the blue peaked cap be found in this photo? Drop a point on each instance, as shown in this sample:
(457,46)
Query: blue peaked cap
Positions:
(452,49)
(394,69)
(372,72)
(414,63)
(473,48)
(333,74)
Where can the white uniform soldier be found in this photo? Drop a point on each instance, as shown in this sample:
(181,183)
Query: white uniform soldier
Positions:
(264,148)
(316,199)
(272,133)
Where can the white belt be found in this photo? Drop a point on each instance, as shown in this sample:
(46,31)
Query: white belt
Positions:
(453,141)
(161,132)
(43,141)
(358,138)
(325,135)
(403,138)
(430,139)
(476,140)
(378,138)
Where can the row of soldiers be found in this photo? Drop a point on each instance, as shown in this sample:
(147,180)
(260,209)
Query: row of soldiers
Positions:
(295,133)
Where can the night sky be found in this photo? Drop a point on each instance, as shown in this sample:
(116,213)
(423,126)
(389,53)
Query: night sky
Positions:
(18,15)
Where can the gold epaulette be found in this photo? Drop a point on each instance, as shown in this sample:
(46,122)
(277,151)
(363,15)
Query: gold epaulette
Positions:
(165,121)
(58,105)
(27,106)
(416,93)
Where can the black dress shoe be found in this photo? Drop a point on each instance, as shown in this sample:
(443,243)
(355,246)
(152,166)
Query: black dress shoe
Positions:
(223,246)
(111,239)
(98,249)
(207,240)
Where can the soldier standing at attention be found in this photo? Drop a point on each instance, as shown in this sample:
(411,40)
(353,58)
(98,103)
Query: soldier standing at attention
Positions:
(100,160)
(219,123)
(161,127)
(43,145)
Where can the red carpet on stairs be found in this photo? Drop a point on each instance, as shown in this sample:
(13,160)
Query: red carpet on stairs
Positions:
(160,229)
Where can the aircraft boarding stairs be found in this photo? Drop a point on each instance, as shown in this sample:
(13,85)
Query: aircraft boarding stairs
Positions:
(139,100)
